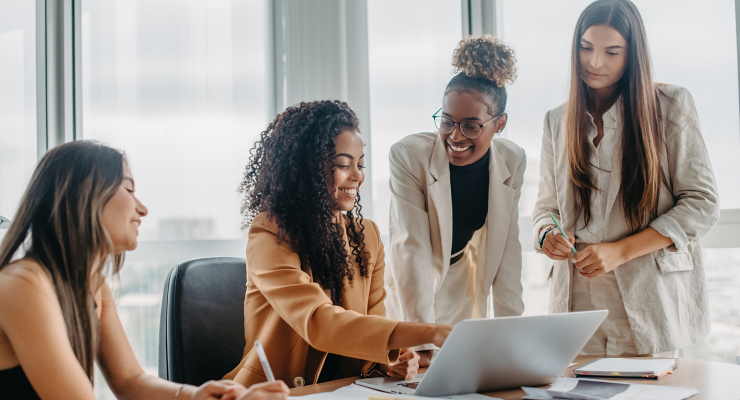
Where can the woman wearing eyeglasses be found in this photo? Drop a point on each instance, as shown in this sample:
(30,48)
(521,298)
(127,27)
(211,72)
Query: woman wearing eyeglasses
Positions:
(454,231)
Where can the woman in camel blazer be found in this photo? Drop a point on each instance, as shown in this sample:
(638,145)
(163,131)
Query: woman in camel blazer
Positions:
(293,317)
(314,264)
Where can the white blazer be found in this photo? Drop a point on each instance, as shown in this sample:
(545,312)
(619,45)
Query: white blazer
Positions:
(421,230)
(664,292)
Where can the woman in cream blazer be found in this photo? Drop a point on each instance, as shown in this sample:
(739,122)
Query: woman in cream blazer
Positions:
(424,285)
(651,276)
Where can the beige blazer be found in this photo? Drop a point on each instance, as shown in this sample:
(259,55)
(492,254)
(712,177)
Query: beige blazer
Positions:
(664,293)
(421,229)
(295,320)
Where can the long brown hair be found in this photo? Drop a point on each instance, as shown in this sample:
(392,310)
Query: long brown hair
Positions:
(59,219)
(642,177)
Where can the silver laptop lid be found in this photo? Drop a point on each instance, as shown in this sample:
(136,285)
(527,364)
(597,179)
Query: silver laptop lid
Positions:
(483,355)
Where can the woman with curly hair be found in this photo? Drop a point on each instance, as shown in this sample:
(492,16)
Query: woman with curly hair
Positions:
(315,266)
(454,233)
(625,169)
(76,220)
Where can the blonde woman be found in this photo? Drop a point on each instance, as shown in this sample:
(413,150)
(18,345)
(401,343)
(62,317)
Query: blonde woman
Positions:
(625,169)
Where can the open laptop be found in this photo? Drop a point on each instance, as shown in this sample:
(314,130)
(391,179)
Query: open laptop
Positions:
(484,355)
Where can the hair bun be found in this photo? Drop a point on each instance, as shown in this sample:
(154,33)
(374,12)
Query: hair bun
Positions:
(485,57)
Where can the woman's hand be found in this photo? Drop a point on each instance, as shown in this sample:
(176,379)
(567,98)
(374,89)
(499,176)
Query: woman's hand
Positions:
(556,246)
(599,259)
(407,365)
(440,334)
(267,391)
(425,357)
(227,390)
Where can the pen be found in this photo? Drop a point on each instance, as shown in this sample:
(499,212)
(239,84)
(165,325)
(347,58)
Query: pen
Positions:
(562,232)
(263,360)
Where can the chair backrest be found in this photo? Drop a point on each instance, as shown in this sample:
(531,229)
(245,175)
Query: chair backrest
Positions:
(201,331)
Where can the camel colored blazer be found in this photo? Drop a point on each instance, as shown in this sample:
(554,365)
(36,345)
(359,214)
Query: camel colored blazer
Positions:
(421,229)
(294,318)
(664,292)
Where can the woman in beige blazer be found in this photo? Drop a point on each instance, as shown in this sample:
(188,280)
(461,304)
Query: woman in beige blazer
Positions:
(625,169)
(454,233)
(314,265)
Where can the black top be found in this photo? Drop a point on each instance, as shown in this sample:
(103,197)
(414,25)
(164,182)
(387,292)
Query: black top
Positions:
(469,200)
(15,385)
(330,370)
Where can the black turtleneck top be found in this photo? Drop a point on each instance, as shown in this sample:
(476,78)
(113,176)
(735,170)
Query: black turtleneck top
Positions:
(469,200)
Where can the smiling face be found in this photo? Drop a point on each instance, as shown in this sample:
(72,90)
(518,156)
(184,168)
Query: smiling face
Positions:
(461,106)
(349,162)
(603,58)
(122,214)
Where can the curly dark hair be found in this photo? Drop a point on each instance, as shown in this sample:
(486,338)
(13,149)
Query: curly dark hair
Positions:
(287,178)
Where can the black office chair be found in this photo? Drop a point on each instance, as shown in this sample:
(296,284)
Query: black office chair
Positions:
(201,331)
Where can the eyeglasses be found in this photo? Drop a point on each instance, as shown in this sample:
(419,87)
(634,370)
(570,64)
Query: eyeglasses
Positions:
(470,129)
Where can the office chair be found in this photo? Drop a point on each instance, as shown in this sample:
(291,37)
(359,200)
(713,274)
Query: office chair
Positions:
(201,331)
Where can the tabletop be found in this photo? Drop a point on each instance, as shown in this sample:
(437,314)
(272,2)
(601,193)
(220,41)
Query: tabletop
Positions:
(713,380)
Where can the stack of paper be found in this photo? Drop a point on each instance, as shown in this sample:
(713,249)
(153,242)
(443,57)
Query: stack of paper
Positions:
(628,368)
(591,389)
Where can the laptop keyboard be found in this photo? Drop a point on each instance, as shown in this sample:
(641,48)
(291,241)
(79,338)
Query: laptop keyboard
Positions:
(410,385)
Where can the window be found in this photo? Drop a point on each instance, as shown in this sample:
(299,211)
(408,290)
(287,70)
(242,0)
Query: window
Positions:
(686,50)
(410,55)
(180,87)
(17,102)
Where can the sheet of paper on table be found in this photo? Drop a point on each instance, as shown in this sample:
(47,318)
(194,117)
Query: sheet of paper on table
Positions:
(593,389)
(356,392)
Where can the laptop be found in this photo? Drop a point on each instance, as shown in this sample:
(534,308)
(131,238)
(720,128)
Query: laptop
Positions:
(485,355)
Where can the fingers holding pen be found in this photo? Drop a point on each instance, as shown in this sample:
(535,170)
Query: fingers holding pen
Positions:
(558,247)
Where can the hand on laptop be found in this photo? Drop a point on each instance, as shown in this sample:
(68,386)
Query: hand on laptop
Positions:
(425,357)
(406,367)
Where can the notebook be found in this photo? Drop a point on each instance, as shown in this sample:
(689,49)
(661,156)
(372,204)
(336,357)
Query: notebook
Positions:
(628,368)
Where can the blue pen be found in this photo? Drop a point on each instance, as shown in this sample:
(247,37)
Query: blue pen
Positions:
(562,232)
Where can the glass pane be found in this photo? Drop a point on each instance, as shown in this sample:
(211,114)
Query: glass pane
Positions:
(410,51)
(17,102)
(714,84)
(723,279)
(180,87)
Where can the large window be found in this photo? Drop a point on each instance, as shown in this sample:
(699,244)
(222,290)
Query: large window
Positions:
(693,45)
(181,88)
(410,55)
(17,101)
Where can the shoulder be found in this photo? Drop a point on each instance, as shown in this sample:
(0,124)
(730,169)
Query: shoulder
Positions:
(556,114)
(263,223)
(676,101)
(24,277)
(507,148)
(511,153)
(25,287)
(419,146)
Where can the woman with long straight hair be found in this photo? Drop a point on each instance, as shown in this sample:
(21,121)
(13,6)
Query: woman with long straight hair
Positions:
(57,315)
(625,170)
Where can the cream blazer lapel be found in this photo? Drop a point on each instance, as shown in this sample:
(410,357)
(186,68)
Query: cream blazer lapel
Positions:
(500,203)
(440,196)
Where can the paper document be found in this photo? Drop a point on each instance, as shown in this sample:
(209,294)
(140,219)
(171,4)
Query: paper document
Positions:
(592,389)
(628,367)
(356,392)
